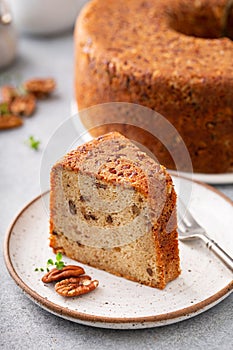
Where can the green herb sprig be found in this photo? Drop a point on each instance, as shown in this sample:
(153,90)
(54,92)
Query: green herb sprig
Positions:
(39,269)
(58,263)
(4,108)
(33,143)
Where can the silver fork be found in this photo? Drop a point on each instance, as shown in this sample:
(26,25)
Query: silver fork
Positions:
(189,229)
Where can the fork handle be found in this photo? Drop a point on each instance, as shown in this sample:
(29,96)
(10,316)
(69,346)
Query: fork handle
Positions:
(218,251)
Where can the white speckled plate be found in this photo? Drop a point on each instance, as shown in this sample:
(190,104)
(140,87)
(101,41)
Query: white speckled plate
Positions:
(119,303)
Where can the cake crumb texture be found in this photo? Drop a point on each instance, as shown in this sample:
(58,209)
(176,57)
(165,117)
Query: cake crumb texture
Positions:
(114,208)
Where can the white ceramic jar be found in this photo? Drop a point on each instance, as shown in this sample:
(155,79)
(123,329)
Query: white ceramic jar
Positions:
(45,17)
(8,41)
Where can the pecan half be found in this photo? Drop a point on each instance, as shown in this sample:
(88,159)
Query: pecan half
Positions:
(75,286)
(8,93)
(57,275)
(40,88)
(8,121)
(23,105)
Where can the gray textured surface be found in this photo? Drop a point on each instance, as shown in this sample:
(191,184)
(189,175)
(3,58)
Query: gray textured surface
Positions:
(24,325)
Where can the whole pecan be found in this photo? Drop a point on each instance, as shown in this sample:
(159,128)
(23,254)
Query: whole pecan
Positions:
(23,105)
(55,275)
(8,121)
(8,93)
(75,286)
(40,88)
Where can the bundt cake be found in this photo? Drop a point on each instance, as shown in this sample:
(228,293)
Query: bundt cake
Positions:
(172,56)
(113,207)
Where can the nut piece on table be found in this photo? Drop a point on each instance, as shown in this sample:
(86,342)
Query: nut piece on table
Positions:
(8,93)
(23,105)
(40,88)
(76,286)
(57,275)
(8,121)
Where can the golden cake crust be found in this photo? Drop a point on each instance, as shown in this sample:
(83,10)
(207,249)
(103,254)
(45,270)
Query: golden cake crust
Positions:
(163,66)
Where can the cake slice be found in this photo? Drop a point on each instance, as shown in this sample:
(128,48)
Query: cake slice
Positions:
(114,208)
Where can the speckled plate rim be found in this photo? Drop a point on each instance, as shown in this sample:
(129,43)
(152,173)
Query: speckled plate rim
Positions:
(113,322)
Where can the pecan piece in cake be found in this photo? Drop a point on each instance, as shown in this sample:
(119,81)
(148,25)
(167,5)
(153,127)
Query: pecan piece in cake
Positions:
(72,207)
(75,286)
(57,275)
